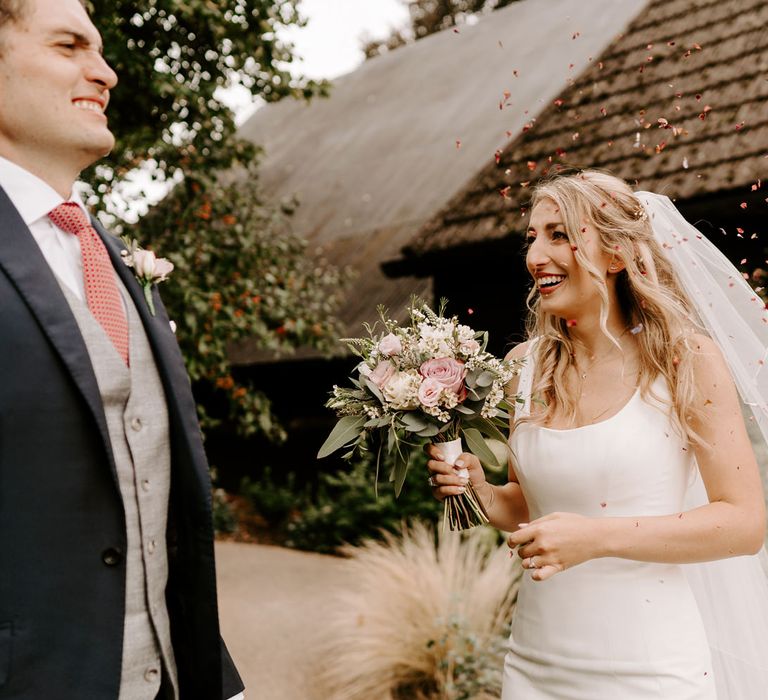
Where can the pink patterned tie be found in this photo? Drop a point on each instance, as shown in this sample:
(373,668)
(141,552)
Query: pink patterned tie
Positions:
(101,291)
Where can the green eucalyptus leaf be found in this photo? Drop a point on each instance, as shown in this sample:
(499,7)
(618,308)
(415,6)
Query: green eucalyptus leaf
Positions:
(347,429)
(400,470)
(374,389)
(460,408)
(485,379)
(391,439)
(478,447)
(413,421)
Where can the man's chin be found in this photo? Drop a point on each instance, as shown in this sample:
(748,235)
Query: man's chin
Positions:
(100,145)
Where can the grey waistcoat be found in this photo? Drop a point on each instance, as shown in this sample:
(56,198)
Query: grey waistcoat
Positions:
(137,418)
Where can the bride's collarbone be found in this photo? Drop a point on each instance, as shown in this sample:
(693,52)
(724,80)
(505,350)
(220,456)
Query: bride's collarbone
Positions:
(597,400)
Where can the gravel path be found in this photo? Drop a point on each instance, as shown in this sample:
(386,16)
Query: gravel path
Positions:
(271,604)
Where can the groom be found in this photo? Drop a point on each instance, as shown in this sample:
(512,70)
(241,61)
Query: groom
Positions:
(107,581)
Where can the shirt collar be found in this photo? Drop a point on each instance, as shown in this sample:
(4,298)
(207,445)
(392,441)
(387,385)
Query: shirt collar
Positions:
(32,197)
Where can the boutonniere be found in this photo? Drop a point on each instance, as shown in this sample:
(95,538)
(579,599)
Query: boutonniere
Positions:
(148,268)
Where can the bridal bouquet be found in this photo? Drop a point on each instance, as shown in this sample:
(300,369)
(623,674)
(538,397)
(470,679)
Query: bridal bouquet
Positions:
(428,380)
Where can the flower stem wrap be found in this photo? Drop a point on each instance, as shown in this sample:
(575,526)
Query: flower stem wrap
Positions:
(466,510)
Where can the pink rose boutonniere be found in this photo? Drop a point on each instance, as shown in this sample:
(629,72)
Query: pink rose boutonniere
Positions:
(147,267)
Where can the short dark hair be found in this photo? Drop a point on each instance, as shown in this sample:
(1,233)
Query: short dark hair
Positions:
(14,10)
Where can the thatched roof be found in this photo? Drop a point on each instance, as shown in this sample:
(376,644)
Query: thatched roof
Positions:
(402,134)
(679,104)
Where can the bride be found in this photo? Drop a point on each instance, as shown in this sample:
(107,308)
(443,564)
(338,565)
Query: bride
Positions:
(631,461)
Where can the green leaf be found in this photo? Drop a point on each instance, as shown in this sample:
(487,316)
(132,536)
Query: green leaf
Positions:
(391,439)
(413,421)
(488,428)
(464,409)
(374,389)
(429,431)
(347,429)
(378,466)
(400,470)
(485,379)
(478,393)
(478,447)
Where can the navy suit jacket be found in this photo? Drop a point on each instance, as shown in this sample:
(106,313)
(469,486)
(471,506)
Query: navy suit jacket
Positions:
(62,529)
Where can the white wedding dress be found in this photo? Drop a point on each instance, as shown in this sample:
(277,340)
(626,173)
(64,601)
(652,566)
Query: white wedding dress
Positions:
(610,628)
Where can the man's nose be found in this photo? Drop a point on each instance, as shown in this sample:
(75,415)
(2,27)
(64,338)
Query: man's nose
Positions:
(99,71)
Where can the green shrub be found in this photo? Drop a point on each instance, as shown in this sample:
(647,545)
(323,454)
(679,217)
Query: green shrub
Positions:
(347,510)
(275,502)
(224,518)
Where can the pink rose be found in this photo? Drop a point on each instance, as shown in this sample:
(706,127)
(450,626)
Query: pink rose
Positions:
(390,345)
(446,370)
(381,373)
(429,391)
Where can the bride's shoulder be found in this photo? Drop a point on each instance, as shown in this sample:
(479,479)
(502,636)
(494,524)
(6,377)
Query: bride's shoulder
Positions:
(518,352)
(709,365)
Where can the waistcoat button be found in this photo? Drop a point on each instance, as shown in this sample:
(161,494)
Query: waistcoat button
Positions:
(151,675)
(112,556)
(136,424)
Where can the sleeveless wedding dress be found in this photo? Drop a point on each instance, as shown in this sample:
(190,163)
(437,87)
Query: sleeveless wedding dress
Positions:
(610,628)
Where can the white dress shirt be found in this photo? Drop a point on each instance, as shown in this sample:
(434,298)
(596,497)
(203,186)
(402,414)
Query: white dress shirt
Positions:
(34,198)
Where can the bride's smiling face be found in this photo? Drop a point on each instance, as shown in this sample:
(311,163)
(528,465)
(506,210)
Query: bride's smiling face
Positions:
(566,288)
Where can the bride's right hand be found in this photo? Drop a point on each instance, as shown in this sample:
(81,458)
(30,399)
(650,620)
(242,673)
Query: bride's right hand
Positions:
(444,476)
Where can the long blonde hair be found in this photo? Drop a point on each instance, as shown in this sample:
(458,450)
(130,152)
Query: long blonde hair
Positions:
(648,291)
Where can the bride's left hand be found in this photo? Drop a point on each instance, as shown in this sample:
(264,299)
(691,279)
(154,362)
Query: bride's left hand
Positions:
(554,543)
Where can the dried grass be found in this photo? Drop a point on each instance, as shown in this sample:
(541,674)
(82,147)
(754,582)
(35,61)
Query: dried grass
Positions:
(420,620)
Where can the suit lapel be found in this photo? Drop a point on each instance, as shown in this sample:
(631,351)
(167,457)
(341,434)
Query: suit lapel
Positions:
(25,265)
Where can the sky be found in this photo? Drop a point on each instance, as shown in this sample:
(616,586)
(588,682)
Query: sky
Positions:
(329,44)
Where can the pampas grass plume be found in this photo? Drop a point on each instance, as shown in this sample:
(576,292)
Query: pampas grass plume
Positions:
(416,603)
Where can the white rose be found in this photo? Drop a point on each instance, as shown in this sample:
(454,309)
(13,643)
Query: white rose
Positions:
(401,389)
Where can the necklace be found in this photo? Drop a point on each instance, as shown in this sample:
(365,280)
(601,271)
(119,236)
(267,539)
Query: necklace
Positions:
(582,375)
(594,359)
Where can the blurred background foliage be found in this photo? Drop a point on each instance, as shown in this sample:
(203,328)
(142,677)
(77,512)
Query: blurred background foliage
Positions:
(240,271)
